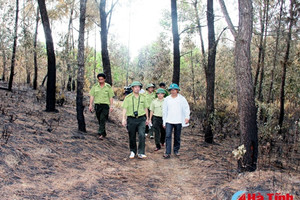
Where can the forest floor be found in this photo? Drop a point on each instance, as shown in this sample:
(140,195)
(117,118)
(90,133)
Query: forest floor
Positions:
(45,157)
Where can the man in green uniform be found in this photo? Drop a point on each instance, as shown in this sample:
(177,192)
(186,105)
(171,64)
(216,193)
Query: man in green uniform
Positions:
(135,108)
(101,95)
(163,86)
(156,113)
(150,96)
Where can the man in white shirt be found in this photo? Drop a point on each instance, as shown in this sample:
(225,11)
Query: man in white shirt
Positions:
(176,114)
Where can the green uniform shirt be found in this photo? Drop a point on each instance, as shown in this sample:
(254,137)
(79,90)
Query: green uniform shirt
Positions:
(150,97)
(102,95)
(157,107)
(131,104)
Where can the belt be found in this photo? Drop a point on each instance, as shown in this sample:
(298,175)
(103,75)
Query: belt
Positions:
(156,116)
(136,117)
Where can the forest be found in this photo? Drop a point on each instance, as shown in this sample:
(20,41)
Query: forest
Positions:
(236,62)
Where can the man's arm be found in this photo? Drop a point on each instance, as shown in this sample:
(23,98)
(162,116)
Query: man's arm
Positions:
(151,115)
(91,103)
(147,116)
(124,122)
(111,103)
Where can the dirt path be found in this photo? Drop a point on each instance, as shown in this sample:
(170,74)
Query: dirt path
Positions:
(47,158)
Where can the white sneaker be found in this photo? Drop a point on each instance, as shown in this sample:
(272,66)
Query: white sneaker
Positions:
(146,134)
(141,156)
(132,154)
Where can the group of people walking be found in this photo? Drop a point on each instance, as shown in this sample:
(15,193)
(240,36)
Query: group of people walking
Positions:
(155,113)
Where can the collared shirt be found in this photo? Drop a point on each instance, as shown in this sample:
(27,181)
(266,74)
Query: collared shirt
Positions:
(150,98)
(102,95)
(176,110)
(132,104)
(157,107)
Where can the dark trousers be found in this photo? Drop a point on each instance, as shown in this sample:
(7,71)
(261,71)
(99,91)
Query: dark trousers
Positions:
(177,133)
(136,125)
(102,111)
(158,129)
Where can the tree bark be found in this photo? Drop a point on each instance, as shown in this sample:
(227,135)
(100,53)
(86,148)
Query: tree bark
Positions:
(260,48)
(275,52)
(285,65)
(260,95)
(104,50)
(176,50)
(69,72)
(80,72)
(210,73)
(200,34)
(245,91)
(51,80)
(4,64)
(35,50)
(13,59)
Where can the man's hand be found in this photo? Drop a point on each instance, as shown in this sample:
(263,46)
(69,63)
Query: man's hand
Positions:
(111,109)
(91,108)
(124,122)
(186,121)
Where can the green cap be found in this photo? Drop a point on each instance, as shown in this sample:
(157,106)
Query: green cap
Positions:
(136,83)
(150,85)
(160,90)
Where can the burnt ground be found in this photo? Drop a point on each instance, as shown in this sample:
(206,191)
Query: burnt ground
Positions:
(43,156)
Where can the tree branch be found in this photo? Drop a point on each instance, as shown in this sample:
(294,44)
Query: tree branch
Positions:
(227,18)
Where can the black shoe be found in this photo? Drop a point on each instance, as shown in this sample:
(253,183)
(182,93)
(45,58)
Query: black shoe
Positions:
(167,156)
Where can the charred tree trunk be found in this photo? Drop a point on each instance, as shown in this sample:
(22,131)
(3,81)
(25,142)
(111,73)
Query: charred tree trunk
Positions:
(51,81)
(260,48)
(13,58)
(176,50)
(80,73)
(35,50)
(4,64)
(69,72)
(245,90)
(260,95)
(210,73)
(285,65)
(275,52)
(104,50)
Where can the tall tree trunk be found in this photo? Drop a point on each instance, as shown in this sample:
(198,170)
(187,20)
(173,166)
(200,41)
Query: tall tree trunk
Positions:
(95,56)
(260,95)
(35,50)
(51,80)
(275,52)
(80,73)
(4,63)
(25,35)
(245,90)
(193,77)
(13,58)
(204,63)
(285,64)
(104,50)
(210,73)
(262,15)
(67,50)
(176,50)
